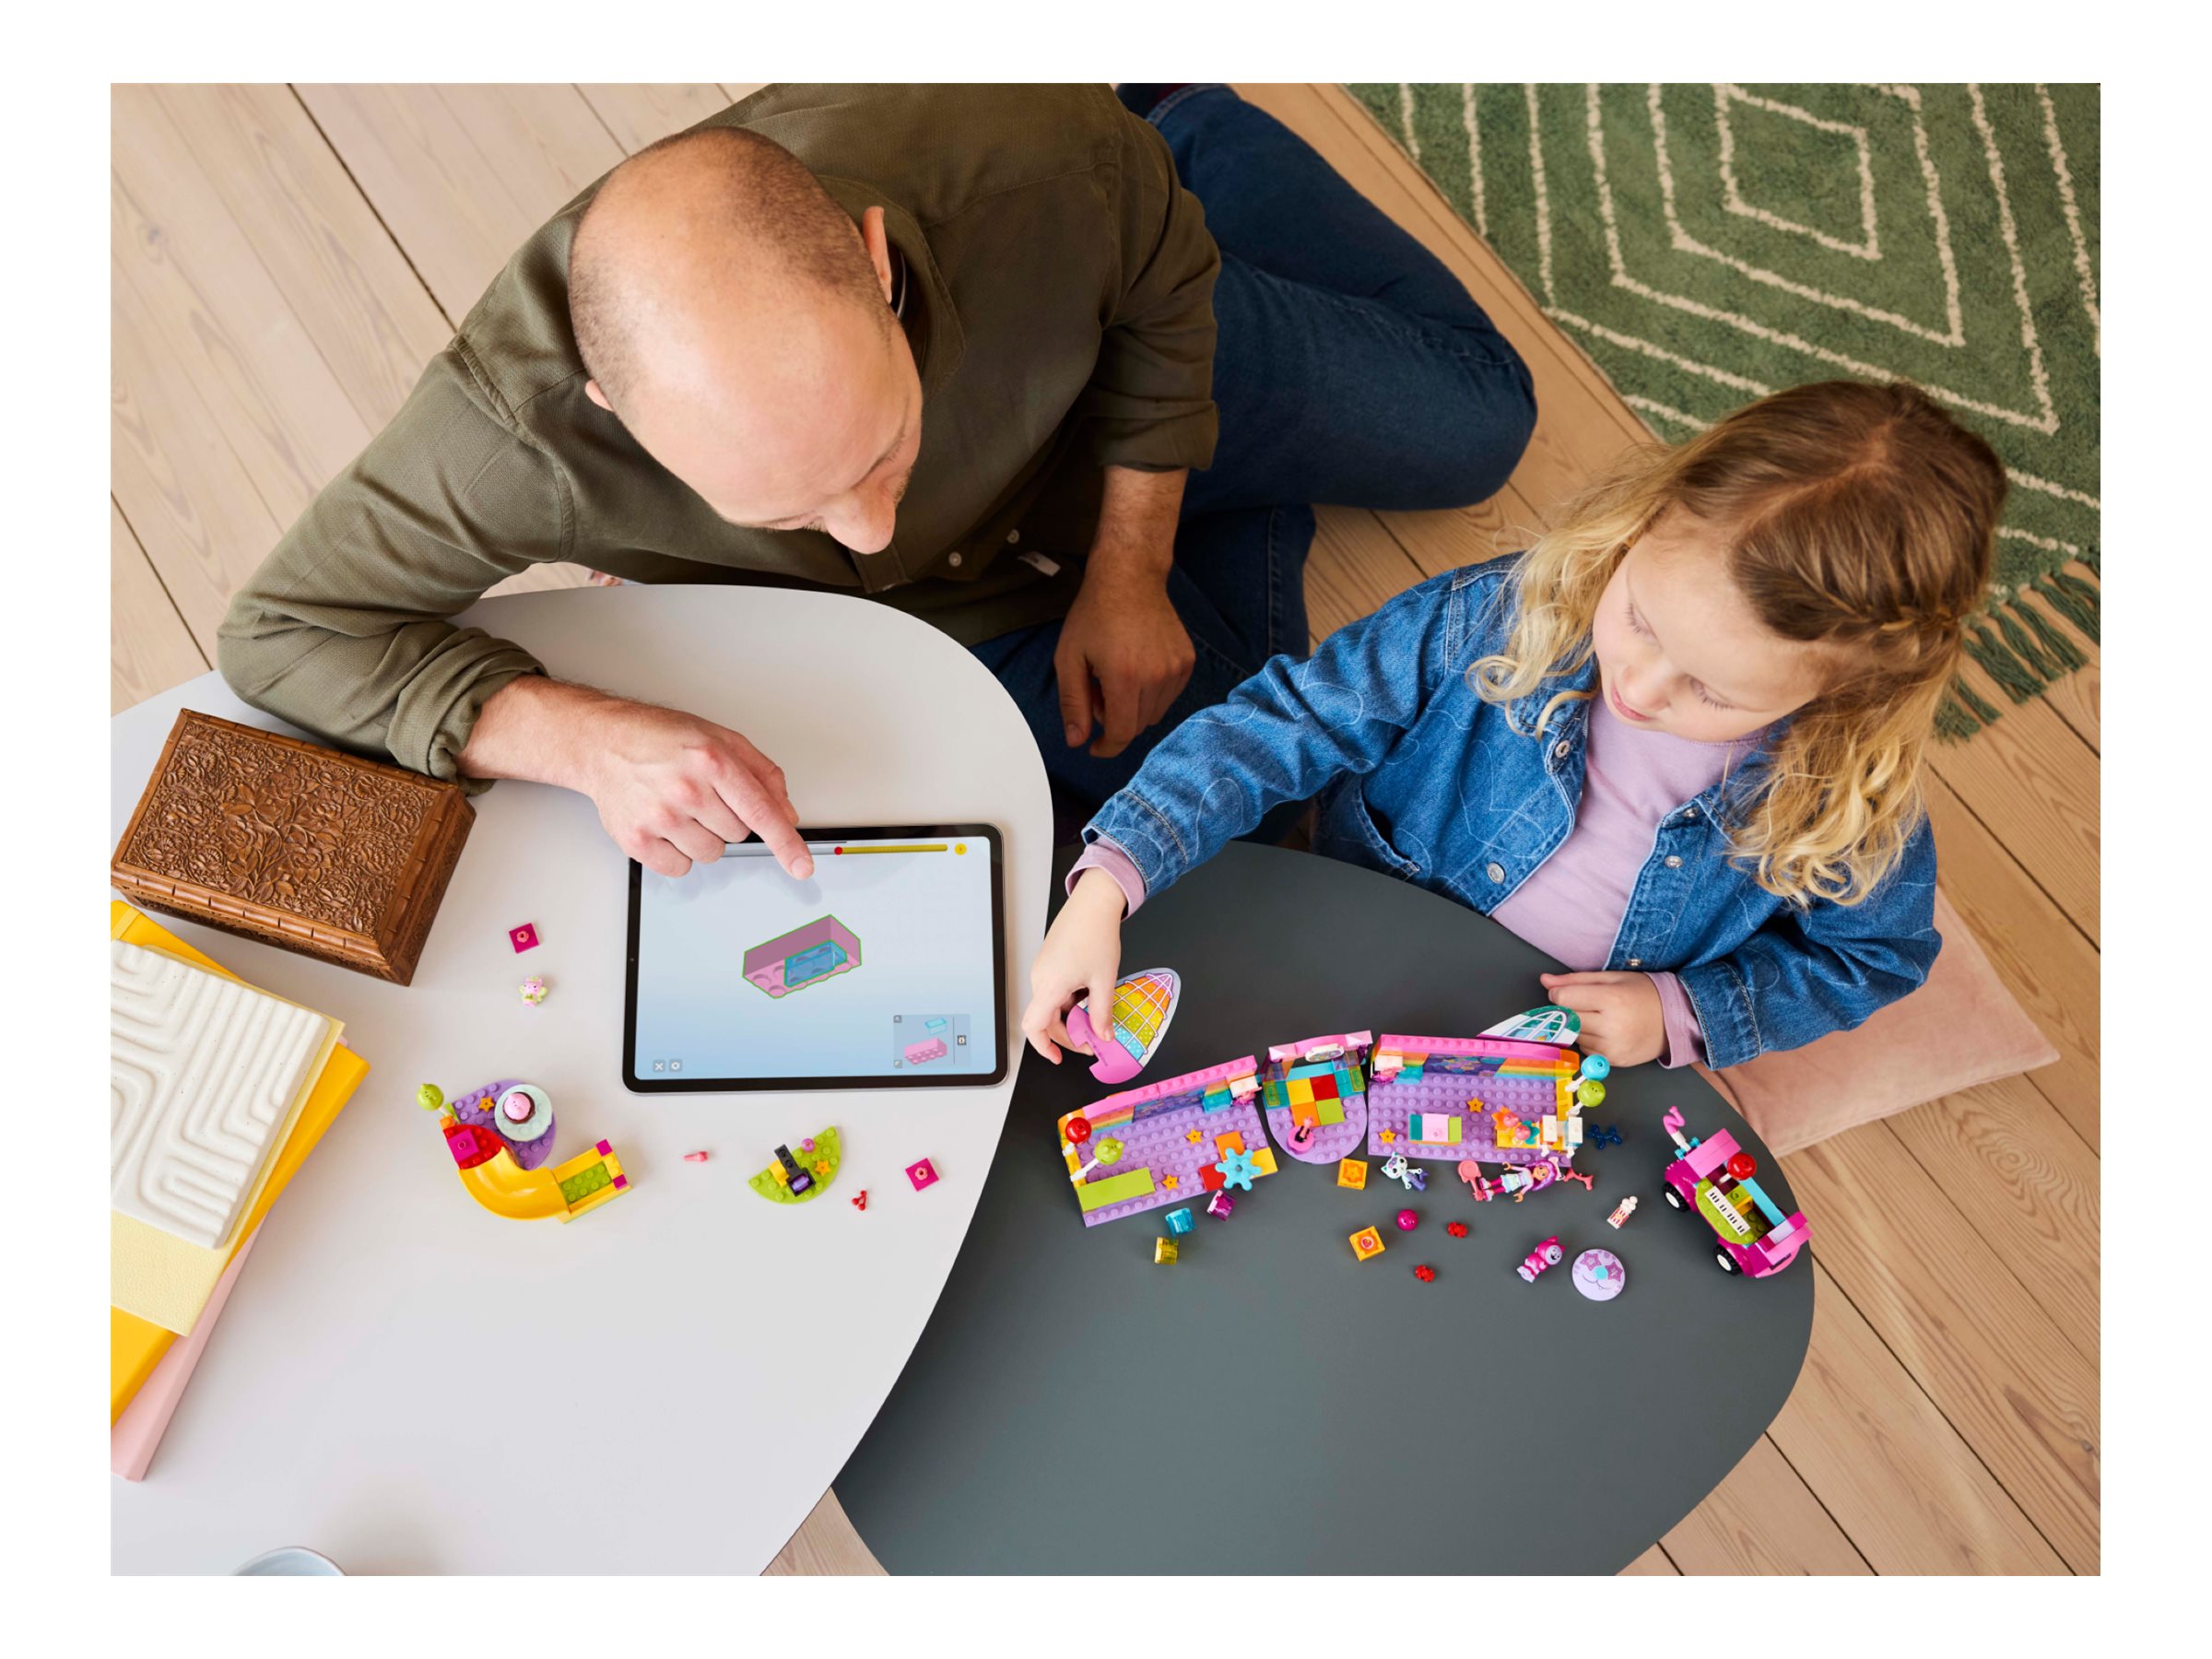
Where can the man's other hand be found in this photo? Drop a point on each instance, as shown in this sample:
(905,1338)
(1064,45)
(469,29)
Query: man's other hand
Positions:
(1124,656)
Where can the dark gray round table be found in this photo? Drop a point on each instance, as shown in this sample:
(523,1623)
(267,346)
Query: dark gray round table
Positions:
(1268,1404)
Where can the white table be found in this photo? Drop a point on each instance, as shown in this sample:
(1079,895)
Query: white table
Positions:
(411,1384)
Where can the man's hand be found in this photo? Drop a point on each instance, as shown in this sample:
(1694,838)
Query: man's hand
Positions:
(1124,655)
(672,789)
(1622,1016)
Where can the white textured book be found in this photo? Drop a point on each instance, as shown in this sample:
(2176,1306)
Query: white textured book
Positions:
(204,1075)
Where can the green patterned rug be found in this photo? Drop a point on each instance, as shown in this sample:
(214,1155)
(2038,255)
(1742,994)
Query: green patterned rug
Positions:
(1707,244)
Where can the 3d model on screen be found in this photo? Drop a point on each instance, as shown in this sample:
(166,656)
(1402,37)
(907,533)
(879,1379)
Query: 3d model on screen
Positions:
(821,951)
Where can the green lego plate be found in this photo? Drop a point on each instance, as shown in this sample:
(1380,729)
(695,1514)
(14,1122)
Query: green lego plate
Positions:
(827,1150)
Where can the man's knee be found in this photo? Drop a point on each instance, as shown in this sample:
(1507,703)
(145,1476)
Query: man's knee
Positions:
(1479,437)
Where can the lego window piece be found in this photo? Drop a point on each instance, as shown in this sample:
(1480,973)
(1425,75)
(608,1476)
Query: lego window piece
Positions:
(1549,1023)
(1143,1006)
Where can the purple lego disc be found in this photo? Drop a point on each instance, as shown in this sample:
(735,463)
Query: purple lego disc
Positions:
(1599,1275)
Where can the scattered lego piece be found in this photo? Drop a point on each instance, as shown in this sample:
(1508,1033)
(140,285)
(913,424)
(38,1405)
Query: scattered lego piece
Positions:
(1424,1273)
(1163,1252)
(1352,1173)
(1458,1230)
(1367,1243)
(1603,1135)
(1547,1254)
(1219,1206)
(1179,1220)
(429,1097)
(1589,1181)
(921,1174)
(1407,1173)
(860,1199)
(524,937)
(1626,1208)
(533,990)
(1408,1220)
(1599,1275)
(695,1158)
(1237,1169)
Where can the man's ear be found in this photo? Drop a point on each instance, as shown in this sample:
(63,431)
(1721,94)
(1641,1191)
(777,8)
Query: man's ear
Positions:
(879,243)
(591,390)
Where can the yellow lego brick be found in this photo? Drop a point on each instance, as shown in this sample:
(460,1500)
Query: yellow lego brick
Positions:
(1299,1092)
(1163,1252)
(1263,1160)
(1367,1243)
(1352,1173)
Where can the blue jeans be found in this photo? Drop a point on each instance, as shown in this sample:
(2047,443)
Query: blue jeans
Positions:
(1350,367)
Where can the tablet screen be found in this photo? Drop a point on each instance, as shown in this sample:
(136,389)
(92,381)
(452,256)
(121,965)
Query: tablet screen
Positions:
(883,968)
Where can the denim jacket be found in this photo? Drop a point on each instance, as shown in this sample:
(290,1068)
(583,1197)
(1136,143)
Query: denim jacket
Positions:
(1420,777)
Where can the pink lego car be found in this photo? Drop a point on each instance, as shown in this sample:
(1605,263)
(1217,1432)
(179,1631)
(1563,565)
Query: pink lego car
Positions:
(1713,1179)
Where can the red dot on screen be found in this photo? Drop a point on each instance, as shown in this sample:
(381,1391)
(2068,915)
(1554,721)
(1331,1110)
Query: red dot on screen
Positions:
(836,852)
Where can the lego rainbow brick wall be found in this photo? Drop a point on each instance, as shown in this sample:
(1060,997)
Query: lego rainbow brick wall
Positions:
(1168,1137)
(1315,1097)
(1459,1086)
(805,955)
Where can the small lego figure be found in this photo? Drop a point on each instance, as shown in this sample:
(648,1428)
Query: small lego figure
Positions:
(1219,1206)
(1547,1254)
(1178,1221)
(1458,1230)
(1408,1220)
(1424,1273)
(1367,1243)
(1626,1208)
(533,990)
(1163,1252)
(1352,1173)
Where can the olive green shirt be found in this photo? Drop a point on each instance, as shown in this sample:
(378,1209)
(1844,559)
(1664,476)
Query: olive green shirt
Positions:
(1059,301)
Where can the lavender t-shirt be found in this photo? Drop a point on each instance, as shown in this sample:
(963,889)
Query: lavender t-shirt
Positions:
(1571,906)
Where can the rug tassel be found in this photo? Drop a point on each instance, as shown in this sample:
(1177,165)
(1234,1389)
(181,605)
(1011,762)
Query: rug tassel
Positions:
(2074,599)
(2004,665)
(1962,712)
(2061,648)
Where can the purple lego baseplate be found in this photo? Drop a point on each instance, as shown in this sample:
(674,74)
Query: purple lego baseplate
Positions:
(475,1107)
(1447,1080)
(1154,1125)
(1339,1078)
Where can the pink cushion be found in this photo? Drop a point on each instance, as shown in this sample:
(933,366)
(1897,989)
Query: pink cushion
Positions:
(1960,1028)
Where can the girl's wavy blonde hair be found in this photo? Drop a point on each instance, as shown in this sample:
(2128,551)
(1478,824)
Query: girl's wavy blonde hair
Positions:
(1851,513)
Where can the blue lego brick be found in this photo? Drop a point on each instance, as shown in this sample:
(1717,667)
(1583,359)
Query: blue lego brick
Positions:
(1179,1220)
(813,962)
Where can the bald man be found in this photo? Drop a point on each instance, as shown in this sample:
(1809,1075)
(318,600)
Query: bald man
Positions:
(949,348)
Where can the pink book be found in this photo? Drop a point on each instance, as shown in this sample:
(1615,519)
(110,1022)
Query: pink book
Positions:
(137,1432)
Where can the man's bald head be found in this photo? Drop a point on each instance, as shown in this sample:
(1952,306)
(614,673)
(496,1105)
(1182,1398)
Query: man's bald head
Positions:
(695,233)
(736,320)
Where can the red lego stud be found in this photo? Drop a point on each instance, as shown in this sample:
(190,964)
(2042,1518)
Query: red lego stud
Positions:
(524,937)
(1742,1165)
(1458,1230)
(1424,1273)
(1079,1130)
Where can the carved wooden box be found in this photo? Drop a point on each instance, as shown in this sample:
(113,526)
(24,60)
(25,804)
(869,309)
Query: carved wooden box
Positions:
(301,847)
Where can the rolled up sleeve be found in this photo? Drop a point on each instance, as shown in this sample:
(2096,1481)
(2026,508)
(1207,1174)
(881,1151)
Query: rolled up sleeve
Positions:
(1150,403)
(345,631)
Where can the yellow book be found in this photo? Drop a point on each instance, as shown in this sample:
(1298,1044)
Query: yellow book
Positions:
(136,1345)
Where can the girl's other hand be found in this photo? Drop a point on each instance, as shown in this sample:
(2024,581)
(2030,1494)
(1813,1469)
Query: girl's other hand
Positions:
(1081,958)
(1622,1016)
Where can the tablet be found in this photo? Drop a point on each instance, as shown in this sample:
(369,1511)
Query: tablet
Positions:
(885,968)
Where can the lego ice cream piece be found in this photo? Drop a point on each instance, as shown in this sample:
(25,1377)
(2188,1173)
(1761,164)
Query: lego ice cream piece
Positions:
(1599,1275)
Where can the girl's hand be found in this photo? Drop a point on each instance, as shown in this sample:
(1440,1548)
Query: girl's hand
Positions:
(1622,1018)
(1081,958)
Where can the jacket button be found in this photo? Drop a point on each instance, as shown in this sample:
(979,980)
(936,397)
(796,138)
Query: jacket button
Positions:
(1689,813)
(1635,961)
(1559,749)
(954,561)
(1013,536)
(1674,861)
(1496,872)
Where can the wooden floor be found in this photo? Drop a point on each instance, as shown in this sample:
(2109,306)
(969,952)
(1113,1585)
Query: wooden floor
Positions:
(286,258)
